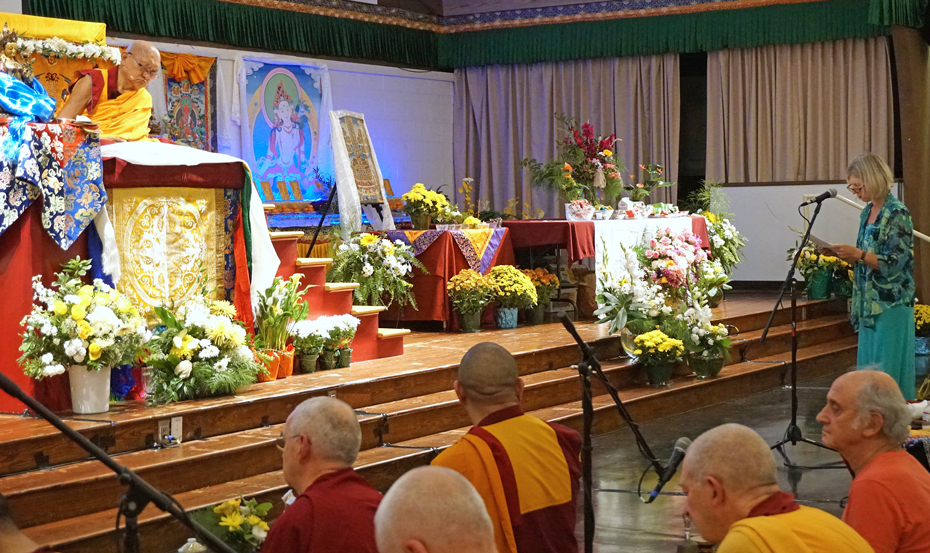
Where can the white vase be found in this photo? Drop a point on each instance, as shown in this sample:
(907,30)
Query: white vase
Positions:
(90,390)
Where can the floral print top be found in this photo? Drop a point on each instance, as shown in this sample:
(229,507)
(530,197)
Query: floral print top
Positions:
(891,238)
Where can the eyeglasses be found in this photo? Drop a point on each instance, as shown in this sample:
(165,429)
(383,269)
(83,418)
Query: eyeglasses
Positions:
(146,72)
(853,189)
(281,440)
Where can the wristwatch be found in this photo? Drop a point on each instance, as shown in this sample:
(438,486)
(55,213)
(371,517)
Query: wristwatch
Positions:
(862,257)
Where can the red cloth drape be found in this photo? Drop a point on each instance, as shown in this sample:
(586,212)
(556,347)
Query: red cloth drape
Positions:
(576,236)
(443,260)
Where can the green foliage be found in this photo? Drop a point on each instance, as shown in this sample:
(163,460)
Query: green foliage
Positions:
(278,306)
(380,267)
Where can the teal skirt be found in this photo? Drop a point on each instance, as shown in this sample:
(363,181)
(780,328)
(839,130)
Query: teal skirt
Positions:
(889,347)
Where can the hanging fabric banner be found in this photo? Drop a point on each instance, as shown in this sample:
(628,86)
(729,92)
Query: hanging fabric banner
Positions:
(285,128)
(190,98)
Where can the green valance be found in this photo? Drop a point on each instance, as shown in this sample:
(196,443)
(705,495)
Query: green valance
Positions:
(909,13)
(276,30)
(253,27)
(682,33)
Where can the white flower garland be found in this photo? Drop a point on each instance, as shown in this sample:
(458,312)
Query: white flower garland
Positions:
(59,47)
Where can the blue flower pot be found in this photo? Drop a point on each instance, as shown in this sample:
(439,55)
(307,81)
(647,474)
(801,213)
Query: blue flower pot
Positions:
(506,317)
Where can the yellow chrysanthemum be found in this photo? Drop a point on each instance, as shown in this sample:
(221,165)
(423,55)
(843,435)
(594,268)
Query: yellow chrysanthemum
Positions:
(222,307)
(228,507)
(222,331)
(368,239)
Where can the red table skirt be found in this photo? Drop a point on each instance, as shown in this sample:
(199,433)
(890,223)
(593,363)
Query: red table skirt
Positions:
(576,236)
(443,260)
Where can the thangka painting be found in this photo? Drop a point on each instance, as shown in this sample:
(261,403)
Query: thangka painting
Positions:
(361,159)
(191,117)
(285,129)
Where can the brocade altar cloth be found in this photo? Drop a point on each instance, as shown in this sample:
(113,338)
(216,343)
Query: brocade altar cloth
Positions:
(479,246)
(62,163)
(172,241)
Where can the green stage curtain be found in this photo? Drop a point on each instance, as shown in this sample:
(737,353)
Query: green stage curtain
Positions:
(909,13)
(694,32)
(273,30)
(252,27)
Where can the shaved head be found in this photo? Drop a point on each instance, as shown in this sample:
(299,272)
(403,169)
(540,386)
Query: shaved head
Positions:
(435,510)
(331,426)
(488,374)
(735,455)
(144,48)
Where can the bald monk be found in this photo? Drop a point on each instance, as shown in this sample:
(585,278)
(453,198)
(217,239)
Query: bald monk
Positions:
(433,510)
(116,99)
(734,500)
(525,470)
(866,420)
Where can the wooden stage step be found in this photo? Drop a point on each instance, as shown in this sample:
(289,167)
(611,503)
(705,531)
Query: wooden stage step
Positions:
(228,442)
(382,465)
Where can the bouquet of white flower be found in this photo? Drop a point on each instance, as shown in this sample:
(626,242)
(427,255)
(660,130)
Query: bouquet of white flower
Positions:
(79,324)
(200,352)
(379,266)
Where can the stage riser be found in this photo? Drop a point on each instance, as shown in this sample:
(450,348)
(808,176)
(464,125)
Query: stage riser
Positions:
(207,421)
(650,406)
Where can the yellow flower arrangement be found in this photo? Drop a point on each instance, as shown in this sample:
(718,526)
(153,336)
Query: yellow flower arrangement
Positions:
(511,288)
(656,347)
(240,523)
(546,284)
(422,201)
(368,239)
(469,292)
(472,222)
(922,320)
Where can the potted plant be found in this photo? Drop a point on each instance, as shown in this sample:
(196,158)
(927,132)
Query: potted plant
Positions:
(278,307)
(672,260)
(469,293)
(309,338)
(658,353)
(842,279)
(512,290)
(712,281)
(547,286)
(922,329)
(422,205)
(380,267)
(817,271)
(707,345)
(86,329)
(337,345)
(201,351)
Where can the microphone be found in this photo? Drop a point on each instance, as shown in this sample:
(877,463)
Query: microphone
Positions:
(825,196)
(678,455)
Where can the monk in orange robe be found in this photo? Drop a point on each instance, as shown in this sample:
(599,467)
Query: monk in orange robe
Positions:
(116,99)
(525,470)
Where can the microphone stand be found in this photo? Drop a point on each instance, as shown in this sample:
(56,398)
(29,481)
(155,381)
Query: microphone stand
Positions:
(793,434)
(589,366)
(139,493)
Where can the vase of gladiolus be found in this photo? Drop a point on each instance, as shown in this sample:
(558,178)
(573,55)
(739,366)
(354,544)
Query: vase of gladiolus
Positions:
(658,354)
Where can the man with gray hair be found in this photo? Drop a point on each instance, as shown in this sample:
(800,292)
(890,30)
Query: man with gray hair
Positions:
(734,500)
(335,507)
(525,470)
(867,420)
(433,510)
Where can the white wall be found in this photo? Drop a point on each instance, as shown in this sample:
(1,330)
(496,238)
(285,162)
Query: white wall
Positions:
(408,112)
(11,6)
(765,213)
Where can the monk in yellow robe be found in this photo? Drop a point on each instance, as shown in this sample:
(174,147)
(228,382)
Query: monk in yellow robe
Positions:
(116,99)
(734,500)
(525,470)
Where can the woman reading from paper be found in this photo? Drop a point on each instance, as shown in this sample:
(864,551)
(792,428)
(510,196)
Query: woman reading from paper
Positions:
(883,282)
